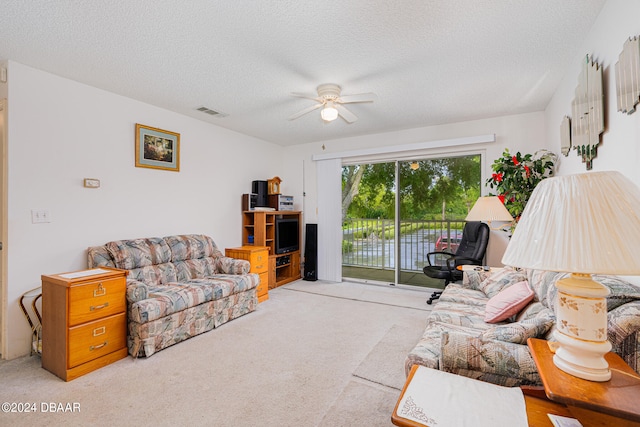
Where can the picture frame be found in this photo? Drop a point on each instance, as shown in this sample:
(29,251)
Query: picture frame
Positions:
(157,148)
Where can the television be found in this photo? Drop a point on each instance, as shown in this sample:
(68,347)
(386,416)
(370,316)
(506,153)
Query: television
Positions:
(287,235)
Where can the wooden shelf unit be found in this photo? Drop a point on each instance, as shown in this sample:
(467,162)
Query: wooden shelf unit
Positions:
(259,229)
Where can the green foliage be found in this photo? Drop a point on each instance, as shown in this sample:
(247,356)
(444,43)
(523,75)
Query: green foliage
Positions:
(515,177)
(450,184)
(347,246)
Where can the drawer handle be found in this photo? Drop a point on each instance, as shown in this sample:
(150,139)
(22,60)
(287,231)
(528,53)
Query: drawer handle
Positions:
(259,266)
(101,291)
(99,331)
(97,347)
(98,307)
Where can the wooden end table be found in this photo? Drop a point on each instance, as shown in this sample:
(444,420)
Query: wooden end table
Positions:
(614,402)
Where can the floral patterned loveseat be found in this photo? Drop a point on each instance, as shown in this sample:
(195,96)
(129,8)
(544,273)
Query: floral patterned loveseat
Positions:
(458,340)
(178,287)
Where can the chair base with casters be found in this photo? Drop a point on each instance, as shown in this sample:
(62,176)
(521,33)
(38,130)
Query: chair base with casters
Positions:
(434,296)
(436,273)
(471,251)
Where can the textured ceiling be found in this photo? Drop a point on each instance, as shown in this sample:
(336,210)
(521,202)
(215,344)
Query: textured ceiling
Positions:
(429,61)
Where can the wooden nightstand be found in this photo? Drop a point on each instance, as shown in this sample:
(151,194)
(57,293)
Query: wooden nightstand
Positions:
(84,321)
(613,402)
(258,257)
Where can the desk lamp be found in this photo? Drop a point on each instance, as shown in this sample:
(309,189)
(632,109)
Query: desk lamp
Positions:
(581,224)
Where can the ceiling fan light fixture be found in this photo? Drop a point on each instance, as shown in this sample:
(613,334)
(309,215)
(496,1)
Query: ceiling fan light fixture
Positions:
(329,113)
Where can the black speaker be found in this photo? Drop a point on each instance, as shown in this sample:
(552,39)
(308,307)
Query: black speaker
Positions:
(260,188)
(311,253)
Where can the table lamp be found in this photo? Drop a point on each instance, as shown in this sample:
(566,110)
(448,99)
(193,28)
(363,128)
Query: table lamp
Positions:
(581,224)
(488,209)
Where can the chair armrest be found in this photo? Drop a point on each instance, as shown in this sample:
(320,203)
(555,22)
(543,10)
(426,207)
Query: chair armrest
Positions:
(455,261)
(502,362)
(227,265)
(430,254)
(136,291)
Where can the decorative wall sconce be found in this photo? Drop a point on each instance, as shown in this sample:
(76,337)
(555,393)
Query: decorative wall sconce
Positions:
(628,76)
(588,112)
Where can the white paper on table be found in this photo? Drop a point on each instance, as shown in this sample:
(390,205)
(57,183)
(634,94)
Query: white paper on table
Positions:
(440,399)
(84,273)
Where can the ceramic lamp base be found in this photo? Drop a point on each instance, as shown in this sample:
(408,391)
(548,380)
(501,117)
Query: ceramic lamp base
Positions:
(582,359)
(581,332)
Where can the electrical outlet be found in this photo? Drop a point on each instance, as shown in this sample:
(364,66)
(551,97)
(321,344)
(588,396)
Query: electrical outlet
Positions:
(40,216)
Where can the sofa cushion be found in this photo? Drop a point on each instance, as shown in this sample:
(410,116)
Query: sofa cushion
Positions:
(191,246)
(543,285)
(459,314)
(154,275)
(520,332)
(427,350)
(495,361)
(508,302)
(130,254)
(165,300)
(174,297)
(621,292)
(459,294)
(195,268)
(500,280)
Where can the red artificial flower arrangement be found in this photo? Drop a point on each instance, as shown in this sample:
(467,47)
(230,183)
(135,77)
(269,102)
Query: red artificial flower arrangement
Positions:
(515,176)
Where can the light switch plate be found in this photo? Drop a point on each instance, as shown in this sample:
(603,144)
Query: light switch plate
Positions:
(91,183)
(39,216)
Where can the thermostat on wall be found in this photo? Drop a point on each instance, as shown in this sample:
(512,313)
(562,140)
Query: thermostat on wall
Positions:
(91,183)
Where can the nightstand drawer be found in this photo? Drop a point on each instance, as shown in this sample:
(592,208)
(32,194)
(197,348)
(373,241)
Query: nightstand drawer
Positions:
(261,265)
(263,287)
(95,339)
(97,299)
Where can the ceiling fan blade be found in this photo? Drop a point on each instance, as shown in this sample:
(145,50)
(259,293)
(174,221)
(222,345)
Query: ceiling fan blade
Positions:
(306,95)
(346,114)
(305,111)
(360,97)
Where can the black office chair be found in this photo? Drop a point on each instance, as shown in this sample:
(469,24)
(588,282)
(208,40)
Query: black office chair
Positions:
(473,245)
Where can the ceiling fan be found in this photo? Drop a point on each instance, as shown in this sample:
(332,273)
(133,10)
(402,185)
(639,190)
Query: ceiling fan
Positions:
(330,101)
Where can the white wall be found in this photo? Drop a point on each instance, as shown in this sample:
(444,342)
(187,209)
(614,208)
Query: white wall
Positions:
(620,147)
(61,131)
(524,133)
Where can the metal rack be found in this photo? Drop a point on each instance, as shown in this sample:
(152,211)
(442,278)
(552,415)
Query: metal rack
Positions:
(34,318)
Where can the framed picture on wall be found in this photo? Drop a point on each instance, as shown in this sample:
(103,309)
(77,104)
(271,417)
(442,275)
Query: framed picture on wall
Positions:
(157,148)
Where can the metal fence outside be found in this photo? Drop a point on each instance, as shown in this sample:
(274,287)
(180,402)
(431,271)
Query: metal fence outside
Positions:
(371,243)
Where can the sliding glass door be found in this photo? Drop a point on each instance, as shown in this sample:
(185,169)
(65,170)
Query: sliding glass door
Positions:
(395,213)
(368,218)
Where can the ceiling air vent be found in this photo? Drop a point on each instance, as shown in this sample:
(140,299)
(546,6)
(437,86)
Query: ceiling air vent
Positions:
(211,112)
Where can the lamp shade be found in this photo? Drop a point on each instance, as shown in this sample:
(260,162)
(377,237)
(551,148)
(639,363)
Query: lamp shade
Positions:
(587,223)
(489,208)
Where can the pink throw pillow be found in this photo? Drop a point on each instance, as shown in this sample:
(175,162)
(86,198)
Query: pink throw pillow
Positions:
(508,302)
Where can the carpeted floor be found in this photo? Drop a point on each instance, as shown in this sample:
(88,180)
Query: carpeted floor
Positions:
(314,354)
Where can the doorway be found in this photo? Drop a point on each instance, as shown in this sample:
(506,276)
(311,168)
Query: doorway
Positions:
(395,213)
(3,225)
